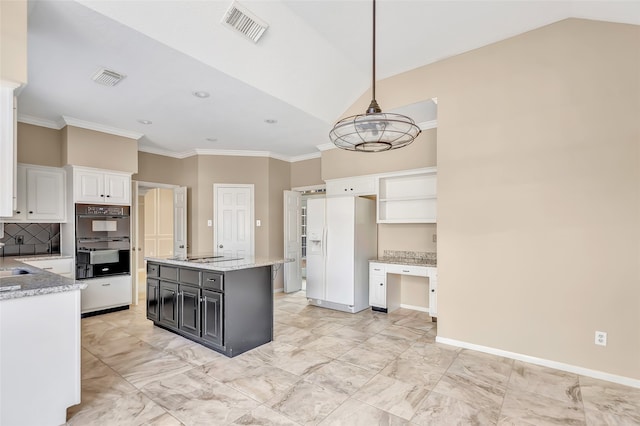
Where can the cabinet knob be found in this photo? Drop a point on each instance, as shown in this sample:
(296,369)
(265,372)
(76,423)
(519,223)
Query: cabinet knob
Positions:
(30,212)
(18,212)
(102,195)
(351,189)
(433,290)
(108,196)
(381,284)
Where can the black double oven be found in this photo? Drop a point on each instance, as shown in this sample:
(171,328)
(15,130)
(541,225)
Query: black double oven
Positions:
(103,241)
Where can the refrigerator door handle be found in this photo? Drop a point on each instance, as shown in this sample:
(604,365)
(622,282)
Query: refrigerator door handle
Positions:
(325,236)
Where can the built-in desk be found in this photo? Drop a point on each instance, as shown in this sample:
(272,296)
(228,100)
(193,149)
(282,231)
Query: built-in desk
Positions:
(384,284)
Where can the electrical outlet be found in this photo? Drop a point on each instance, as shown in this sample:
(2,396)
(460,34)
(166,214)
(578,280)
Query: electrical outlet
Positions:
(601,338)
(19,239)
(435,238)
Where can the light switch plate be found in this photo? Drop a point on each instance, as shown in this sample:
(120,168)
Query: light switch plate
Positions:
(209,222)
(258,222)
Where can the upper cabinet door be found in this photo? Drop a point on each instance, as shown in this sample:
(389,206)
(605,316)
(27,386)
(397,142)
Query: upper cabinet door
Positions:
(101,187)
(117,188)
(46,194)
(89,186)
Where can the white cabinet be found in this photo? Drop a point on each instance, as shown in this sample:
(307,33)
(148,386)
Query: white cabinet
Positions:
(384,290)
(41,195)
(62,267)
(105,293)
(432,273)
(101,186)
(8,147)
(377,286)
(359,185)
(409,197)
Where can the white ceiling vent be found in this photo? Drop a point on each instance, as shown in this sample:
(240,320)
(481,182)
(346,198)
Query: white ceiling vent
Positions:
(245,22)
(107,77)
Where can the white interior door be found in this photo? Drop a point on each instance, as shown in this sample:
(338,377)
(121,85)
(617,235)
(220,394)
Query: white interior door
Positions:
(180,221)
(233,211)
(292,241)
(134,242)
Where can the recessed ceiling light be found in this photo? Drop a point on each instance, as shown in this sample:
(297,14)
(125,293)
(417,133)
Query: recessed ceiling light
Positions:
(145,121)
(201,94)
(270,121)
(212,139)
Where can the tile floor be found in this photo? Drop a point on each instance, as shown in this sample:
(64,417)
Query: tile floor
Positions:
(329,368)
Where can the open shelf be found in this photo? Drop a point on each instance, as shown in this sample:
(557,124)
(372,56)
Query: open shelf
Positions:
(409,198)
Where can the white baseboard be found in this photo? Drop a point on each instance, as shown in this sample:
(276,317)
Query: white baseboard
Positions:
(278,290)
(415,308)
(627,381)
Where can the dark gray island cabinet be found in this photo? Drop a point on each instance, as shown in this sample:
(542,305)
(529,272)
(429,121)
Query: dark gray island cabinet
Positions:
(229,309)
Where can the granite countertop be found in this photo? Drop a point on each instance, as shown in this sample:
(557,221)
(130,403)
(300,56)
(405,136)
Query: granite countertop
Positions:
(37,283)
(221,266)
(405,261)
(408,258)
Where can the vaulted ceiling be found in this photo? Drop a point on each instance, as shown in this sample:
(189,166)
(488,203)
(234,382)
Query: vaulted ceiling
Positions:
(280,95)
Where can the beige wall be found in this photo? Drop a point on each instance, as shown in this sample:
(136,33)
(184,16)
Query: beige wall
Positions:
(306,173)
(39,145)
(82,147)
(160,169)
(13,40)
(279,181)
(338,163)
(538,205)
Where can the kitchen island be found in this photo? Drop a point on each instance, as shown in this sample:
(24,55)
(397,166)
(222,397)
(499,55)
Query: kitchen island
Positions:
(39,344)
(224,304)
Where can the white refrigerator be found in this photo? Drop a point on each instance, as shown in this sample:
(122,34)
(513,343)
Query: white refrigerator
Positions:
(342,236)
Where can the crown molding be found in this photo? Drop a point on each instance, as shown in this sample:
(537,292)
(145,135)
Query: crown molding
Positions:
(304,157)
(36,121)
(426,125)
(70,121)
(326,146)
(227,152)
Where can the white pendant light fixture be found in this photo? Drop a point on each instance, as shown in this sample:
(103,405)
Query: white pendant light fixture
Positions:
(374,131)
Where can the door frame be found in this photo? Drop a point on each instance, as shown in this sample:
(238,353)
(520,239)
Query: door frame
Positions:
(292,284)
(134,204)
(252,222)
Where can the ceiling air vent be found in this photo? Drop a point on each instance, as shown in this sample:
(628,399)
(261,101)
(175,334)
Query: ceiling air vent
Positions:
(107,77)
(245,22)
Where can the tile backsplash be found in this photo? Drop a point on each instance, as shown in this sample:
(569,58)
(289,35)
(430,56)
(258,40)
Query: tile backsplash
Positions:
(30,238)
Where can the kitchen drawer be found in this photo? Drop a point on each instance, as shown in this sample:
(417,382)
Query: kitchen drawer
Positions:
(103,293)
(377,268)
(189,276)
(418,271)
(169,272)
(57,266)
(213,281)
(153,269)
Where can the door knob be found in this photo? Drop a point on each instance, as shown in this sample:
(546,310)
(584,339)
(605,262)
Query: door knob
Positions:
(182,246)
(220,246)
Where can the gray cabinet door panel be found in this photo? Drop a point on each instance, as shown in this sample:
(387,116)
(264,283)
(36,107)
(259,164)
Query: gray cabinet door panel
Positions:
(169,304)
(189,310)
(212,318)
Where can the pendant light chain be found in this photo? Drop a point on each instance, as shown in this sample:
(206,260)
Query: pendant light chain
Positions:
(374,51)
(374,131)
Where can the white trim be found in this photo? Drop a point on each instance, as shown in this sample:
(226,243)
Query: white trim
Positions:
(305,157)
(326,146)
(627,381)
(156,185)
(70,121)
(36,121)
(426,125)
(13,85)
(228,152)
(415,308)
(309,188)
